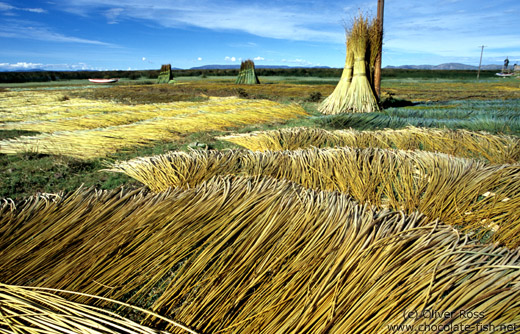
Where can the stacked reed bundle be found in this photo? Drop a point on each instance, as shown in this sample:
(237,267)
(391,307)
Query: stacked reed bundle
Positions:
(237,255)
(374,49)
(247,75)
(496,149)
(355,90)
(166,75)
(337,101)
(461,192)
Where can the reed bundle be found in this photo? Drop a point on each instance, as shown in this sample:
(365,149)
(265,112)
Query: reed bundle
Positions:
(360,96)
(247,75)
(162,124)
(165,75)
(33,310)
(461,192)
(374,48)
(337,101)
(355,90)
(239,255)
(496,149)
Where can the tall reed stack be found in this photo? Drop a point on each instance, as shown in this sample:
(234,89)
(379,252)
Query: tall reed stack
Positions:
(166,75)
(355,90)
(247,75)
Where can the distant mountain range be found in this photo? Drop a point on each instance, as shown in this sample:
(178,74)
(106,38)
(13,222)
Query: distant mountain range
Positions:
(235,67)
(447,66)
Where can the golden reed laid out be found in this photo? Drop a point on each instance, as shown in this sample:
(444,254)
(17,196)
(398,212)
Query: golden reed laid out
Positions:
(103,128)
(239,255)
(466,193)
(496,149)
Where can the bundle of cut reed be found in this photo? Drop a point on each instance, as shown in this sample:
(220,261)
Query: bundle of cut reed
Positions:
(461,192)
(374,49)
(354,92)
(247,75)
(360,96)
(238,255)
(166,75)
(337,101)
(496,149)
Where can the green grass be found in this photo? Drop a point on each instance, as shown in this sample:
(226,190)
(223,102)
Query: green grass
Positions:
(7,134)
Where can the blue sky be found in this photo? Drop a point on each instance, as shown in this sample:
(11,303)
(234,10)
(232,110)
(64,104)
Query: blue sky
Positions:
(135,34)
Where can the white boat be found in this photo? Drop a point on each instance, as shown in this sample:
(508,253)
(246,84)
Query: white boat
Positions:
(103,81)
(505,74)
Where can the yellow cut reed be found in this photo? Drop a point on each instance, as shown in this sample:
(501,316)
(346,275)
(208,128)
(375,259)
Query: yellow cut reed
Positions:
(496,149)
(106,133)
(360,96)
(336,102)
(239,255)
(461,192)
(37,310)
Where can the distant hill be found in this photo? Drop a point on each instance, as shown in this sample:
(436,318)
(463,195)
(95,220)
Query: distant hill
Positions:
(236,67)
(447,66)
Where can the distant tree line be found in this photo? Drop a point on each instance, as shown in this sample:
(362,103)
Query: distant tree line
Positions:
(42,76)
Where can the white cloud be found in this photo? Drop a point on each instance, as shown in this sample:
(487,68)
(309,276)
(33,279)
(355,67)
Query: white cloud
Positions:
(442,31)
(113,14)
(291,21)
(20,66)
(28,65)
(446,28)
(259,58)
(36,31)
(7,7)
(34,10)
(199,59)
(144,59)
(297,61)
(230,58)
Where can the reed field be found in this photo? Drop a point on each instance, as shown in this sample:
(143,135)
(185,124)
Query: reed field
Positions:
(203,206)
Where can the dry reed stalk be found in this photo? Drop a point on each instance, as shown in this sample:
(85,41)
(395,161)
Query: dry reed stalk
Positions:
(360,97)
(336,102)
(214,114)
(242,255)
(496,149)
(35,310)
(460,192)
(375,38)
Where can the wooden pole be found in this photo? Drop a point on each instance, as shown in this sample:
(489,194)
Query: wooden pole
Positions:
(377,69)
(480,64)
